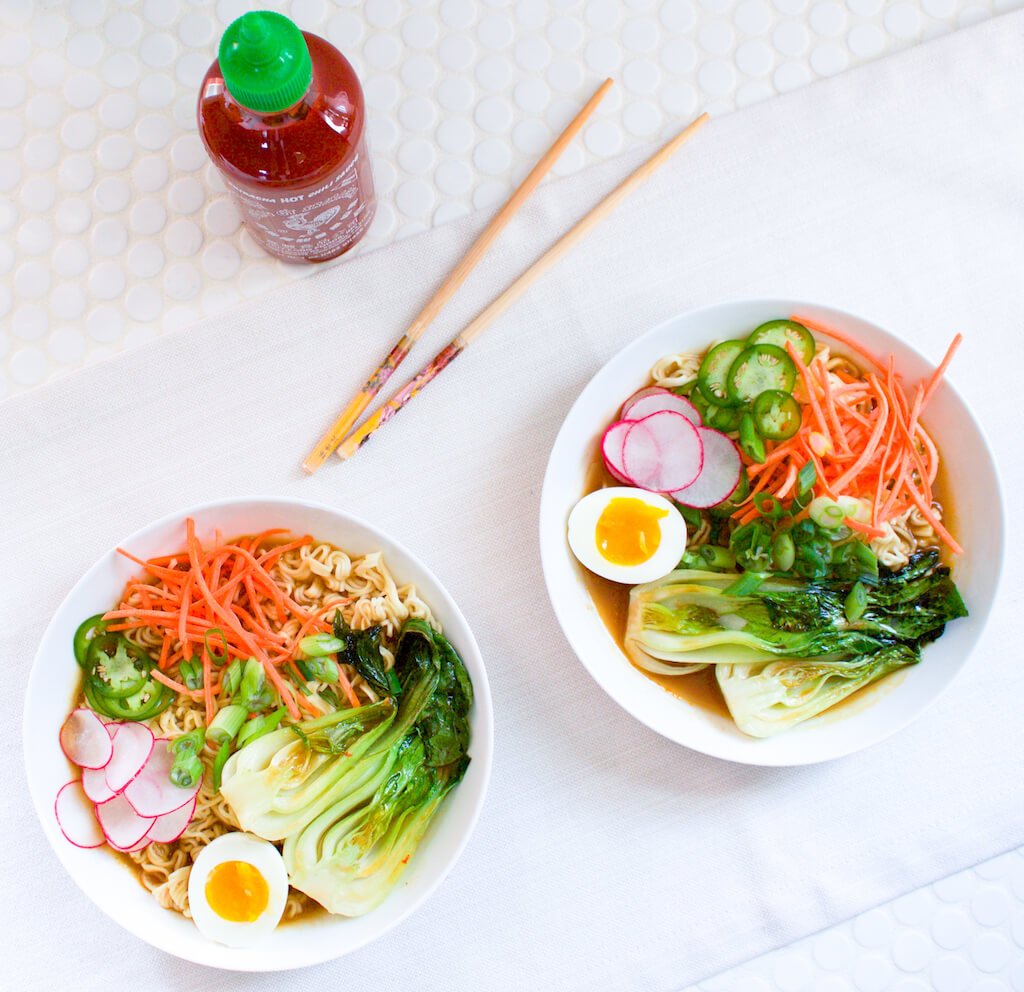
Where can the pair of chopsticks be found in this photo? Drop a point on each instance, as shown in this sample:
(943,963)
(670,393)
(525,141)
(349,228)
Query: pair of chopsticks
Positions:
(338,436)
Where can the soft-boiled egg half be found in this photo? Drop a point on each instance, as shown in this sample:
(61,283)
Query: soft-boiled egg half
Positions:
(627,535)
(237,889)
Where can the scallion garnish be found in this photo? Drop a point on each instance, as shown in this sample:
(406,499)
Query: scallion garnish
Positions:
(225,725)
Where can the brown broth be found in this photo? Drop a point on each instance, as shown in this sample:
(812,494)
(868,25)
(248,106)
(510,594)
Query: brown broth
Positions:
(700,689)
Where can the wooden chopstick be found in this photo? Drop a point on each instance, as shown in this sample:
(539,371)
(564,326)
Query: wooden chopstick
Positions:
(486,317)
(347,418)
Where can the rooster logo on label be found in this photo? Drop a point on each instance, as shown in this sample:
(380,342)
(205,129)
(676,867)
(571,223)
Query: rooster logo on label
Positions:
(300,222)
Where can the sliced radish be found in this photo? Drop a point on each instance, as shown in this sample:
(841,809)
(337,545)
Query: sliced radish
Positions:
(639,395)
(85,741)
(719,476)
(611,449)
(122,826)
(662,452)
(75,816)
(657,399)
(133,744)
(94,782)
(151,792)
(170,826)
(138,846)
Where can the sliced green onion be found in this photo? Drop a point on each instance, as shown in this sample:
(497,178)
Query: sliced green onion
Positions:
(319,645)
(188,744)
(806,478)
(260,725)
(320,669)
(717,558)
(187,768)
(253,680)
(827,513)
(231,679)
(783,551)
(225,725)
(692,560)
(185,772)
(191,672)
(215,658)
(747,583)
(865,557)
(856,602)
(218,764)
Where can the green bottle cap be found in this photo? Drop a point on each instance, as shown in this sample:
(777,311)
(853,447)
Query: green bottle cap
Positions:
(265,62)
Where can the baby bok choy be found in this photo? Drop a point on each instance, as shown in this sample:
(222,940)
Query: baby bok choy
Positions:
(351,793)
(786,649)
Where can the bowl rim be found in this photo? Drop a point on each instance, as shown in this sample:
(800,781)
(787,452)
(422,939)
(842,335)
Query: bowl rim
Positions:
(550,548)
(482,734)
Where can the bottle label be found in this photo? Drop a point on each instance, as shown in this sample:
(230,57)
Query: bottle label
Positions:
(318,223)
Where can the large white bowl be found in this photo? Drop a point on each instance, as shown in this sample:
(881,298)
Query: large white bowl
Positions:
(978,519)
(111,884)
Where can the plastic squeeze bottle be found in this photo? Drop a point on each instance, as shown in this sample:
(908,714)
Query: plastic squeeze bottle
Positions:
(281,113)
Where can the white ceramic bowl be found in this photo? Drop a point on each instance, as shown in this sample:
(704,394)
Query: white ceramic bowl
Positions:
(112,885)
(978,516)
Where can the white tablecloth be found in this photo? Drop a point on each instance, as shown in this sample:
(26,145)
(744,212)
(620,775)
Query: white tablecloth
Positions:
(606,857)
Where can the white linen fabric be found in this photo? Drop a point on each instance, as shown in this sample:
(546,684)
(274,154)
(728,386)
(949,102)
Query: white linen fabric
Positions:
(606,857)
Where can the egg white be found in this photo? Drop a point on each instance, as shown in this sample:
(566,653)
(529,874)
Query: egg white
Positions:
(582,531)
(266,859)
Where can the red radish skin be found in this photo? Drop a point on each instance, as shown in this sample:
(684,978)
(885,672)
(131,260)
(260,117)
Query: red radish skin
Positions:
(75,817)
(611,450)
(85,741)
(169,827)
(133,744)
(152,793)
(637,396)
(719,476)
(656,402)
(145,842)
(663,452)
(122,826)
(94,782)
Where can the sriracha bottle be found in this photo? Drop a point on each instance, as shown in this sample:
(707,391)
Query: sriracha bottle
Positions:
(281,113)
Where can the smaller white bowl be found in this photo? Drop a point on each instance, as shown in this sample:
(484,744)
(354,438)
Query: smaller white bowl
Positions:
(978,519)
(110,884)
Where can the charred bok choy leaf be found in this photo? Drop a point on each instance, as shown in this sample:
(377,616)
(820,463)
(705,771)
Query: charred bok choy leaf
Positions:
(362,651)
(352,792)
(788,649)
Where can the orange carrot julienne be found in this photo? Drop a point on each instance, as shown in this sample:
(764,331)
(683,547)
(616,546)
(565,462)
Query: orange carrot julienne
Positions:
(842,338)
(863,437)
(940,371)
(182,690)
(229,618)
(864,528)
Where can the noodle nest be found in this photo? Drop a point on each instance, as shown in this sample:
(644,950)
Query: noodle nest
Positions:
(315,576)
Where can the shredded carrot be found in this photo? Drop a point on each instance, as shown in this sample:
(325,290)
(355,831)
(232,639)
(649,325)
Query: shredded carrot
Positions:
(225,586)
(864,528)
(350,693)
(182,690)
(940,371)
(863,436)
(842,338)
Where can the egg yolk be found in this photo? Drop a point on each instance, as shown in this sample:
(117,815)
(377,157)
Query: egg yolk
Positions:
(237,892)
(628,530)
